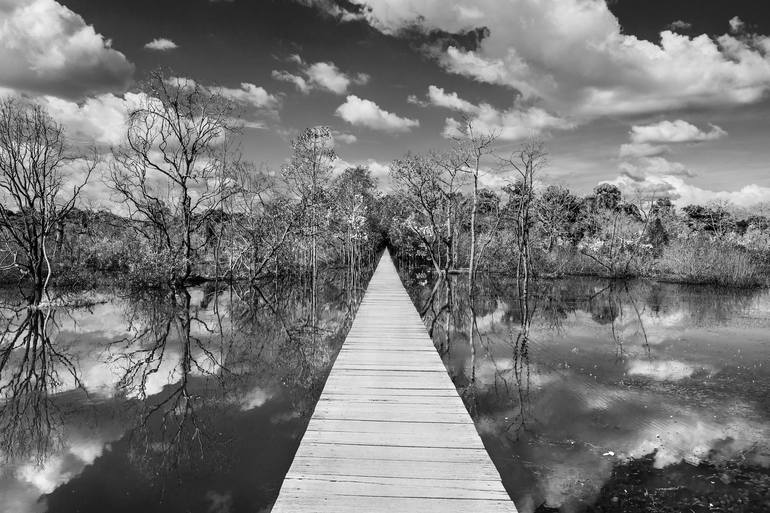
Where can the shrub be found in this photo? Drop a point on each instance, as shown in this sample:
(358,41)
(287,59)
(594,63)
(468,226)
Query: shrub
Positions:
(707,260)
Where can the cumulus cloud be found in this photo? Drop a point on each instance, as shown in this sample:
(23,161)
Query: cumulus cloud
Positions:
(438,97)
(361,112)
(101,119)
(249,94)
(644,169)
(683,193)
(161,44)
(299,82)
(517,122)
(680,25)
(47,48)
(678,131)
(574,56)
(736,24)
(324,76)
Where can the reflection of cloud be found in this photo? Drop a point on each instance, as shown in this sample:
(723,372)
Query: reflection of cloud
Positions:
(61,468)
(21,497)
(219,502)
(695,439)
(254,398)
(663,370)
(487,322)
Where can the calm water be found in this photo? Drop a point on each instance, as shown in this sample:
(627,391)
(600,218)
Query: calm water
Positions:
(194,401)
(590,396)
(602,396)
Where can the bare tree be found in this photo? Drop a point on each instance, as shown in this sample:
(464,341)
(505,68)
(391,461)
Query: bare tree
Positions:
(34,157)
(172,174)
(526,162)
(471,149)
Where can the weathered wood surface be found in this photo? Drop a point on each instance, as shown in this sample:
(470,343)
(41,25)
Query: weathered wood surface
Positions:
(389,432)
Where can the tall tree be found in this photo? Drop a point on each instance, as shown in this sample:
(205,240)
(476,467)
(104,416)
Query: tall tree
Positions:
(172,172)
(308,174)
(430,187)
(527,162)
(472,147)
(34,157)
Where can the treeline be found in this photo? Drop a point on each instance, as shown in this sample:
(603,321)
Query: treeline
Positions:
(439,216)
(190,208)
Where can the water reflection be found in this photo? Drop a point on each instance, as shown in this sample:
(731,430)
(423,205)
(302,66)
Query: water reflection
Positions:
(31,365)
(192,399)
(580,381)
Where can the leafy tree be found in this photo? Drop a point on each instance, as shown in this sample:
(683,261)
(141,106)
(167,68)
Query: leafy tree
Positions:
(558,211)
(608,196)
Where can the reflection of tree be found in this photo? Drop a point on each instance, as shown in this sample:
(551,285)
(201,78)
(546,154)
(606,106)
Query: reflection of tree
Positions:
(32,368)
(608,306)
(187,361)
(521,362)
(166,345)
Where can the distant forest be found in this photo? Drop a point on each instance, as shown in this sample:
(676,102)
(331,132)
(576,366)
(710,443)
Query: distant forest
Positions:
(190,208)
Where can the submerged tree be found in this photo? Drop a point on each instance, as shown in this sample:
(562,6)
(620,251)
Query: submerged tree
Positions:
(308,174)
(173,172)
(527,162)
(470,149)
(36,199)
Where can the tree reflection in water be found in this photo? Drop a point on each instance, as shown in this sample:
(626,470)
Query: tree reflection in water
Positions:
(210,381)
(578,377)
(32,367)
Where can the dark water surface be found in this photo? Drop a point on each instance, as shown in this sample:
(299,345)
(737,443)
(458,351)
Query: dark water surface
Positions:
(192,401)
(594,395)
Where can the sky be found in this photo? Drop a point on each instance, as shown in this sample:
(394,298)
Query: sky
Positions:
(664,96)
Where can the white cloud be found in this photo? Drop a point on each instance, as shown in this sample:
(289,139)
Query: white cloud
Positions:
(686,194)
(736,24)
(574,56)
(517,122)
(299,82)
(47,48)
(100,119)
(438,97)
(662,370)
(508,125)
(249,94)
(161,44)
(678,131)
(680,25)
(324,76)
(361,112)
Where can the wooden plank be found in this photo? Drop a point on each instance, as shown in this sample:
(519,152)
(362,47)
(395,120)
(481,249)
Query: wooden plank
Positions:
(389,432)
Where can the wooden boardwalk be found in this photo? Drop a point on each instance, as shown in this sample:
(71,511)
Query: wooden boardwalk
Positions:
(389,432)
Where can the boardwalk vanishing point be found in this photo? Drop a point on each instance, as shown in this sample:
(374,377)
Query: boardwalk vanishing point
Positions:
(390,433)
